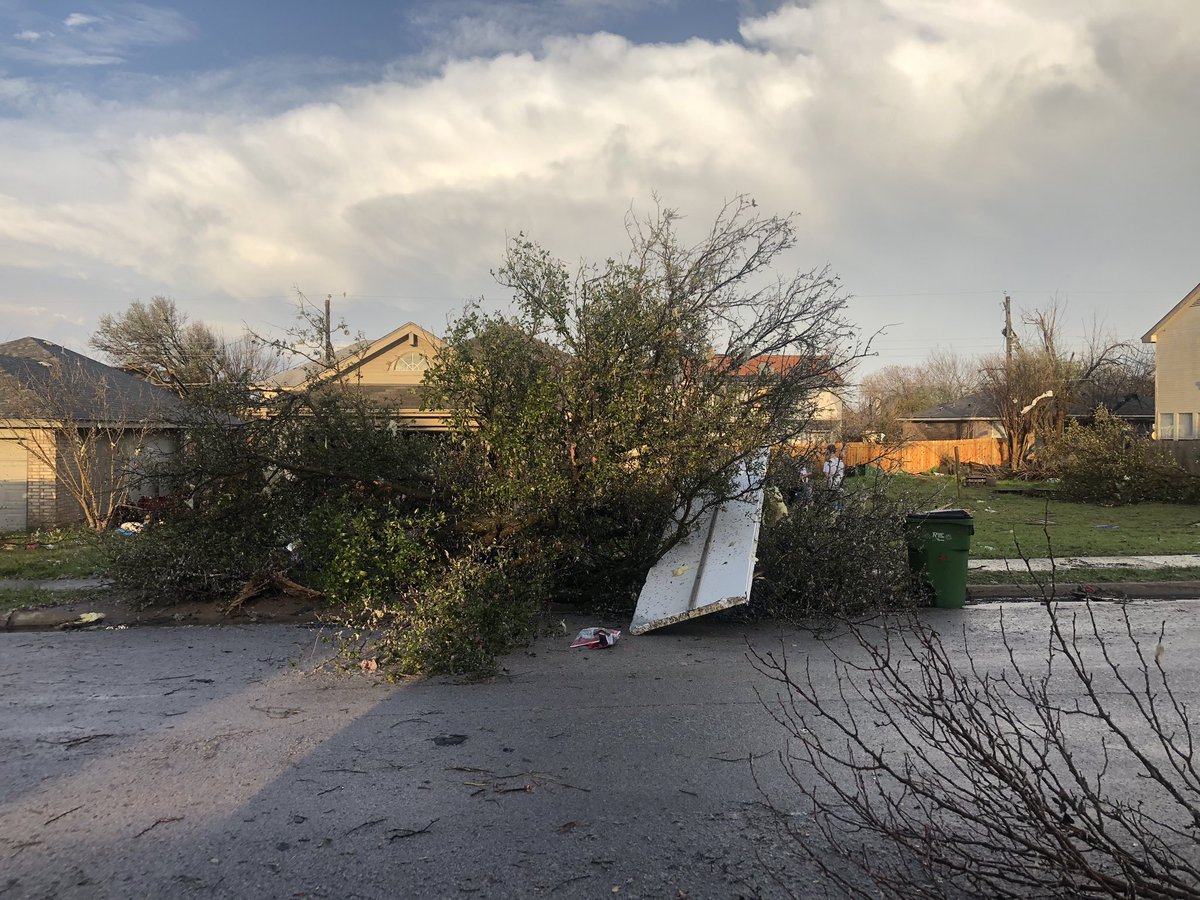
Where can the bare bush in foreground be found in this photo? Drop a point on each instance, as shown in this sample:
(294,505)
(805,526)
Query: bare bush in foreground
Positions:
(929,776)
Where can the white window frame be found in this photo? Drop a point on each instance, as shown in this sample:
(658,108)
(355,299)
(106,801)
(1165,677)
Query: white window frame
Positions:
(1166,426)
(412,361)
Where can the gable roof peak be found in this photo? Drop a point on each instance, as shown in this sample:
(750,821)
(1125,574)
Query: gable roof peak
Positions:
(1192,298)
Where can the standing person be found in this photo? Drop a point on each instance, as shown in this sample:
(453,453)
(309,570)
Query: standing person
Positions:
(835,473)
(803,491)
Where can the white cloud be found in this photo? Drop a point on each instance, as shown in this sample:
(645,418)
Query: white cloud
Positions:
(990,145)
(79,20)
(31,36)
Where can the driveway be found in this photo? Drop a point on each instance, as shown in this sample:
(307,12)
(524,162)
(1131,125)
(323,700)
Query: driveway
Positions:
(229,762)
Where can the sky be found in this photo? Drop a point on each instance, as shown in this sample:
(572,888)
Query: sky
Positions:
(936,153)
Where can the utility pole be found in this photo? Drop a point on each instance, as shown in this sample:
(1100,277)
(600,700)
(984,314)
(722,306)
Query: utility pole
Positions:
(1008,331)
(329,331)
(1006,413)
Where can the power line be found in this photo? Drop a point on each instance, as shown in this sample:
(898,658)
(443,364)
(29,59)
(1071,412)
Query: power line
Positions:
(1065,292)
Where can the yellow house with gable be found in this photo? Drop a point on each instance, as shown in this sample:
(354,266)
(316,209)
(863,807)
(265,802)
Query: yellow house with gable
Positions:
(1176,340)
(388,373)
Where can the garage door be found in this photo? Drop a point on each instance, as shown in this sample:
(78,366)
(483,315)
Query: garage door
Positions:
(14,475)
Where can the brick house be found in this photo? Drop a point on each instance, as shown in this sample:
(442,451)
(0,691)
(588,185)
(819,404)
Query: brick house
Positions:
(52,400)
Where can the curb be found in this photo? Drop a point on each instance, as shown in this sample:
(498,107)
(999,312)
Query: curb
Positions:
(1119,590)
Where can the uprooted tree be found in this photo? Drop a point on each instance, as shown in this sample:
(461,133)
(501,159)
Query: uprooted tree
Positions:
(616,402)
(1109,463)
(589,428)
(277,489)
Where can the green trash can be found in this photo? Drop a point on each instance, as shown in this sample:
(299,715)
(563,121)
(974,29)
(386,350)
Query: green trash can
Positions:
(939,544)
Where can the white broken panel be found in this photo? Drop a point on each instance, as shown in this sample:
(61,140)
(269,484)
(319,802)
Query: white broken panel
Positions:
(709,570)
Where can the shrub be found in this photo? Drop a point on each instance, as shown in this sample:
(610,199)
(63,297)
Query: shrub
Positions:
(363,556)
(481,605)
(1105,462)
(196,555)
(322,474)
(821,560)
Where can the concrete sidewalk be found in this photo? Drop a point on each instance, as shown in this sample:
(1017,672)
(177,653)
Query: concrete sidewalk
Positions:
(53,584)
(1173,561)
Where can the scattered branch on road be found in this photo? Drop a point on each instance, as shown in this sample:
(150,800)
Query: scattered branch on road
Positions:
(365,825)
(158,822)
(75,742)
(63,815)
(933,775)
(570,880)
(749,757)
(400,834)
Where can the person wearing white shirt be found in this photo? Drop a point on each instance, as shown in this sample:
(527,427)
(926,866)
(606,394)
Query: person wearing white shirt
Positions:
(835,473)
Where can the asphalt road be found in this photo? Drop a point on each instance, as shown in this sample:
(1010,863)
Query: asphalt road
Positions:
(225,762)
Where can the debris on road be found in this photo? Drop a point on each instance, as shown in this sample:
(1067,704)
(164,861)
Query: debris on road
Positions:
(593,637)
(596,638)
(273,583)
(400,834)
(83,621)
(712,568)
(62,815)
(1092,592)
(155,824)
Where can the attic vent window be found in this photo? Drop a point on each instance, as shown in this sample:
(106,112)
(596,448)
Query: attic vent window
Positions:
(410,362)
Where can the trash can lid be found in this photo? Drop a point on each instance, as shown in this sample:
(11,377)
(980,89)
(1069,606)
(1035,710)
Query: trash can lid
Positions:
(939,514)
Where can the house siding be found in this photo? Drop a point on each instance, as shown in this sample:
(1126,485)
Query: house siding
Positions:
(378,371)
(1177,367)
(829,408)
(42,490)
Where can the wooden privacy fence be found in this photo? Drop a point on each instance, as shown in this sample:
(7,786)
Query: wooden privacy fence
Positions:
(913,456)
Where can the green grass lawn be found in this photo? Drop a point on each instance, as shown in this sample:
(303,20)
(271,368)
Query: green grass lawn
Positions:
(58,554)
(22,598)
(1005,520)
